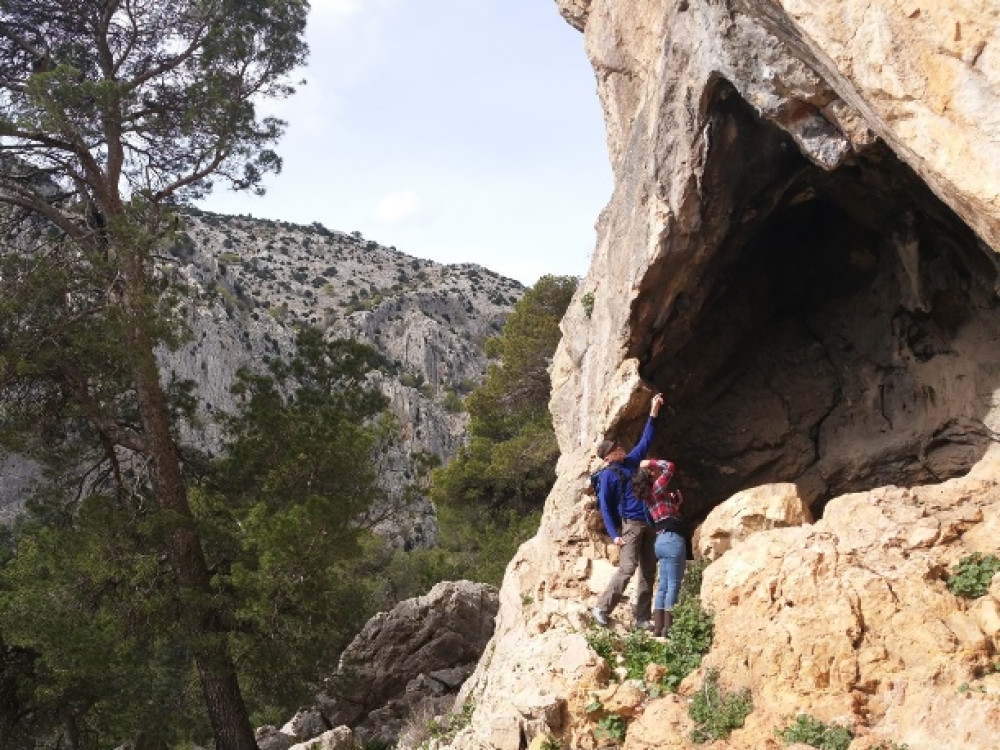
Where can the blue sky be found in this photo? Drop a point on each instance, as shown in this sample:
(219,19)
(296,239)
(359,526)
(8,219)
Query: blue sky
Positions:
(454,130)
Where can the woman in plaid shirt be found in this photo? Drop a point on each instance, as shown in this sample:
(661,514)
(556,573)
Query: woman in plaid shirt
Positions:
(663,511)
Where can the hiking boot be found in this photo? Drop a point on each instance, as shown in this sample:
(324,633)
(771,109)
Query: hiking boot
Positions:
(599,617)
(658,622)
(668,620)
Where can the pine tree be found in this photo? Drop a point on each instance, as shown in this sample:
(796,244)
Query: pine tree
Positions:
(489,496)
(111,113)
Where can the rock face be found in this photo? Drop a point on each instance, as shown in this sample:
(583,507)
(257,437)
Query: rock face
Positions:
(405,667)
(851,617)
(253,282)
(801,253)
(770,506)
(421,651)
(260,279)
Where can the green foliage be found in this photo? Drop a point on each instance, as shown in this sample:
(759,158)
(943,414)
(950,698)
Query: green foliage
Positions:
(480,550)
(611,727)
(452,402)
(114,114)
(605,643)
(282,516)
(717,714)
(489,496)
(690,638)
(444,731)
(91,611)
(815,733)
(587,301)
(971,577)
(517,389)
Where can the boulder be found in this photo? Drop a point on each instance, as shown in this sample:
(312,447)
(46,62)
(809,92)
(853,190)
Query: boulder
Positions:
(339,738)
(447,628)
(756,509)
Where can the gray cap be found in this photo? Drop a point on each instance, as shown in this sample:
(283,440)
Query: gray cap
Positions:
(605,447)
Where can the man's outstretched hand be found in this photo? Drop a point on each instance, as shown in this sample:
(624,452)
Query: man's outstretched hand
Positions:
(657,402)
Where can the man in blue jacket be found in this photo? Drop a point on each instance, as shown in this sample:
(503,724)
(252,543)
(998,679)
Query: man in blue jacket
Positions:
(619,505)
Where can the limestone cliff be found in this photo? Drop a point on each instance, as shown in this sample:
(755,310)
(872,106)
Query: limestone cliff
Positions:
(801,253)
(253,282)
(259,280)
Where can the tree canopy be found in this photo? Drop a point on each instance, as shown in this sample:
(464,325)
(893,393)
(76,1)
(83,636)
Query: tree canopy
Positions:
(88,605)
(111,113)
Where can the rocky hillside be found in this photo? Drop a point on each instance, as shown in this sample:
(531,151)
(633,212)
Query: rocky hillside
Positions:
(257,280)
(801,253)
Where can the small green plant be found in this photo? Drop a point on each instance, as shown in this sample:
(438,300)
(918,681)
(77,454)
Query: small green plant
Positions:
(966,688)
(717,714)
(611,727)
(587,301)
(971,577)
(452,402)
(639,650)
(549,743)
(452,724)
(604,642)
(815,733)
(690,638)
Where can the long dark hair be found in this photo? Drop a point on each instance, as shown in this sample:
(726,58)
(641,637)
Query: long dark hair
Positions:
(642,484)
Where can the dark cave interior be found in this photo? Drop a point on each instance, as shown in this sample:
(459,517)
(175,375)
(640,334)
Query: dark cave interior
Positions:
(834,329)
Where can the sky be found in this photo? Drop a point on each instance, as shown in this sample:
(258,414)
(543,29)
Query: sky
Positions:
(461,131)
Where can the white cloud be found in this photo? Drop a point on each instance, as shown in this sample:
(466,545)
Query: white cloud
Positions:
(399,207)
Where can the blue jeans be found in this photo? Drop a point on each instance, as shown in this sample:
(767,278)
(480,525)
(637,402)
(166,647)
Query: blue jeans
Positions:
(671,556)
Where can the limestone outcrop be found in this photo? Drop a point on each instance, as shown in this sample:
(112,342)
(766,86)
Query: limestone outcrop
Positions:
(851,617)
(254,282)
(801,254)
(769,506)
(404,663)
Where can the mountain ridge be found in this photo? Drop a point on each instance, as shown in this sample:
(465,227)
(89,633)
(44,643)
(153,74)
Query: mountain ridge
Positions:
(253,282)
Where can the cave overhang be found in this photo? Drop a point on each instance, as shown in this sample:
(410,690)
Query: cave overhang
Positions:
(835,326)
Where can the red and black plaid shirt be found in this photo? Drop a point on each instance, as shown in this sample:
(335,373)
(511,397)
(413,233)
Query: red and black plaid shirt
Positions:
(663,503)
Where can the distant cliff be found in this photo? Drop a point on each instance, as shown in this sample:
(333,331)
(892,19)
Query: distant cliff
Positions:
(253,281)
(801,253)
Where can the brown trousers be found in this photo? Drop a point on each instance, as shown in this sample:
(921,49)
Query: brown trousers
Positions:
(637,552)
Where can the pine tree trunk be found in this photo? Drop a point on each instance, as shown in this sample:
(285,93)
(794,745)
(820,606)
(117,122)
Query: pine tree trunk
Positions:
(226,709)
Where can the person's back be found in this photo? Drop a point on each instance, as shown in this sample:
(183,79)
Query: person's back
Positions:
(663,507)
(627,528)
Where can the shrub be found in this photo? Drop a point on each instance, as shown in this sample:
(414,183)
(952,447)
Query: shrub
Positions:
(715,713)
(815,733)
(611,727)
(690,638)
(971,577)
(605,643)
(452,402)
(587,301)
